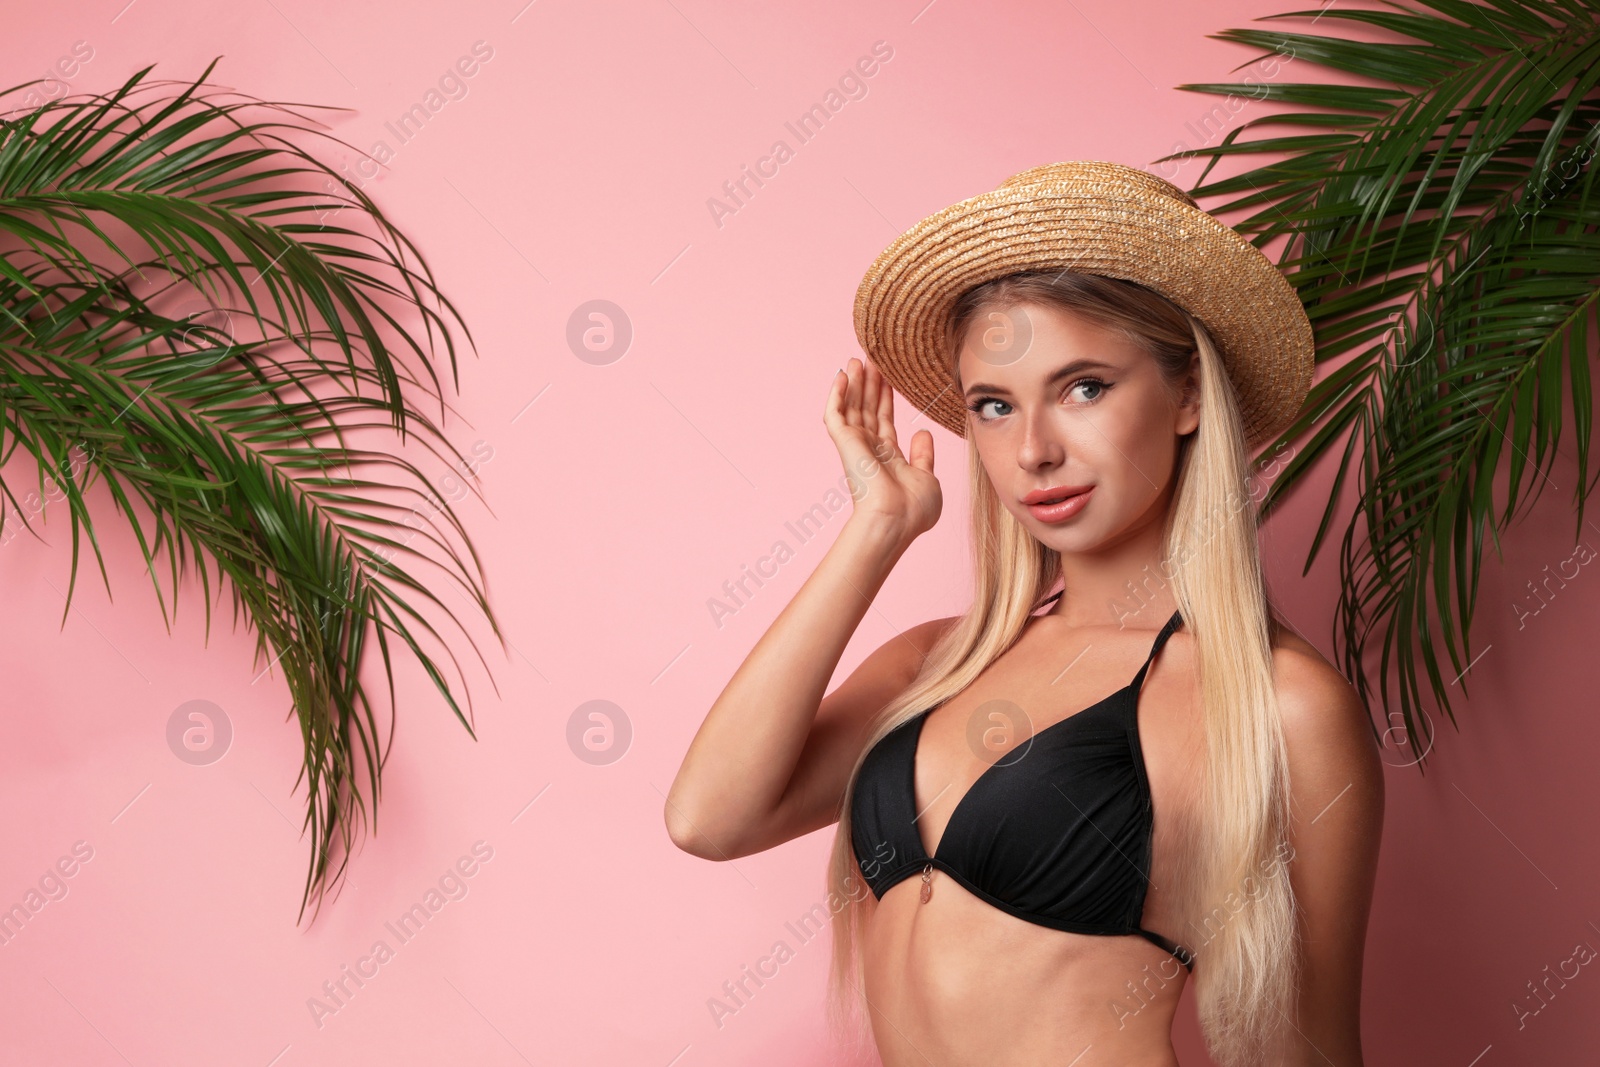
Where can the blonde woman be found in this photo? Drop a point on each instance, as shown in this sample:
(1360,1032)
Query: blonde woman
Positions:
(1058,809)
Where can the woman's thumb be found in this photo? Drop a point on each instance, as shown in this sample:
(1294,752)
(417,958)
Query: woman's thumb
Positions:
(922,450)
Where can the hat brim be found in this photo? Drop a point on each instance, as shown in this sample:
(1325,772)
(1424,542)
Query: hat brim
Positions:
(1100,223)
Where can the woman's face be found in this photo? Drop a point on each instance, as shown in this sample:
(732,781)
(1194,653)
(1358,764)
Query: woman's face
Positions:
(1056,402)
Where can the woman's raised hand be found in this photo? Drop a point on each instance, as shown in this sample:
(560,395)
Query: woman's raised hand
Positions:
(885,485)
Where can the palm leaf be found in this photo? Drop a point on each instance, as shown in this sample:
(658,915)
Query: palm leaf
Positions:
(221,434)
(1443,237)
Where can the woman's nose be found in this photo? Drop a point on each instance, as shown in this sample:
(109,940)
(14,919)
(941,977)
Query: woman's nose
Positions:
(1040,444)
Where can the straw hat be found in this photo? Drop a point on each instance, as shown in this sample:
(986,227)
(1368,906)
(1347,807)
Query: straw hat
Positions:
(1098,218)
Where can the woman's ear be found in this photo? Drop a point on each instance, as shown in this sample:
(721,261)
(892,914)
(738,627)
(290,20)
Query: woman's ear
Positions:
(1188,414)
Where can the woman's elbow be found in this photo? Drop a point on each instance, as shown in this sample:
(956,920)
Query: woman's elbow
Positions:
(684,828)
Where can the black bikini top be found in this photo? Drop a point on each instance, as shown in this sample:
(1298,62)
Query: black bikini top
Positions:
(1058,832)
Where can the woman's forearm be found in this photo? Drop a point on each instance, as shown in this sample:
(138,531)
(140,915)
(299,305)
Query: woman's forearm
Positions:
(740,762)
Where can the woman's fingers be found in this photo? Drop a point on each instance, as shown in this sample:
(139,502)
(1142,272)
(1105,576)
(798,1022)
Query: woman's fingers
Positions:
(833,410)
(862,397)
(886,429)
(860,419)
(843,412)
(872,385)
(870,405)
(852,395)
(886,413)
(922,451)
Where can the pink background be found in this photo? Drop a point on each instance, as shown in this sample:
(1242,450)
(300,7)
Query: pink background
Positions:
(578,167)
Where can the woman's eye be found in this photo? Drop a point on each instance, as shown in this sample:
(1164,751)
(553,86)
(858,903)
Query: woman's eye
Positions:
(1097,387)
(978,407)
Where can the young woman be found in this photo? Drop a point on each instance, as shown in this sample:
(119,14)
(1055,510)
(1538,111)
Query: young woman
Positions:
(1056,809)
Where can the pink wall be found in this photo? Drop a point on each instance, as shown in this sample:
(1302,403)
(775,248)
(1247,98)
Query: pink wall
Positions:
(577,167)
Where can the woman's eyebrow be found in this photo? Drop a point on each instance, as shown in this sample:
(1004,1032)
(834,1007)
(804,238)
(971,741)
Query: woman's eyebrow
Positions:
(1070,369)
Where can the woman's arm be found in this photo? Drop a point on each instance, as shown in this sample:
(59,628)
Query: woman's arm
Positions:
(732,795)
(1336,790)
(734,776)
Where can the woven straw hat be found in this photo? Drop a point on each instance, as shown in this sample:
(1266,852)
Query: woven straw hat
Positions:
(1098,218)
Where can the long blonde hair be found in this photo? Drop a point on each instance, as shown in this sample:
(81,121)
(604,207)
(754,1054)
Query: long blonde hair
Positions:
(1247,969)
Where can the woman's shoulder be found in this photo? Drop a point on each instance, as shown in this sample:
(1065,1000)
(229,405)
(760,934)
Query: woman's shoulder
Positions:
(1315,700)
(1298,662)
(1288,642)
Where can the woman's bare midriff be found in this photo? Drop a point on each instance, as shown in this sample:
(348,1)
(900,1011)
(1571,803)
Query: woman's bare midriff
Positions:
(957,982)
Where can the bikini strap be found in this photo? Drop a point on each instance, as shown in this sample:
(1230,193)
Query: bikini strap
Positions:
(1161,639)
(1183,955)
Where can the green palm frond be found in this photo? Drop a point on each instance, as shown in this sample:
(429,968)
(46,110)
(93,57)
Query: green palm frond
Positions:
(1443,235)
(196,310)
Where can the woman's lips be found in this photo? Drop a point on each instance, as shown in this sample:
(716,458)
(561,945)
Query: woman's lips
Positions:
(1062,511)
